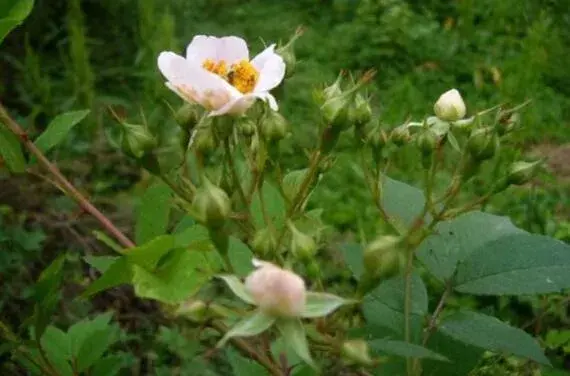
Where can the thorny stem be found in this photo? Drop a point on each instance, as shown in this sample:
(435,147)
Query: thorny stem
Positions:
(298,199)
(249,350)
(233,170)
(65,185)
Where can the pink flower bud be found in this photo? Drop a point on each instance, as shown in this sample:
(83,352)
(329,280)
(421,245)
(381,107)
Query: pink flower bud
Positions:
(276,291)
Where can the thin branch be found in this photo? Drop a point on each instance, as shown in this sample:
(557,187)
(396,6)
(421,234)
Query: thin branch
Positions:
(249,350)
(67,187)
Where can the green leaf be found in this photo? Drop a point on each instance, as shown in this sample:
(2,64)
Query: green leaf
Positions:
(453,142)
(516,265)
(402,202)
(10,149)
(16,9)
(243,366)
(46,295)
(491,334)
(173,282)
(13,13)
(148,255)
(274,206)
(57,347)
(153,213)
(353,256)
(237,287)
(250,326)
(49,279)
(404,349)
(463,357)
(321,304)
(292,182)
(101,263)
(117,274)
(58,129)
(383,307)
(293,333)
(110,365)
(94,347)
(82,331)
(240,257)
(454,240)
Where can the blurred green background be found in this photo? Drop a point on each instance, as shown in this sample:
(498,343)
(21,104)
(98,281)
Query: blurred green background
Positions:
(96,54)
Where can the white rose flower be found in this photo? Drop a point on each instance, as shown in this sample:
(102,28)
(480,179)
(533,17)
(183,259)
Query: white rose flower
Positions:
(450,106)
(276,291)
(218,75)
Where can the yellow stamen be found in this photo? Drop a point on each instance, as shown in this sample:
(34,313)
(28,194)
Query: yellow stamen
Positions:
(217,67)
(243,76)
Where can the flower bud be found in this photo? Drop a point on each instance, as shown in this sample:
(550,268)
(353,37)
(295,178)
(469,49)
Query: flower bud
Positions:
(246,127)
(287,52)
(377,139)
(211,205)
(360,112)
(264,242)
(204,140)
(427,141)
(508,122)
(276,291)
(382,257)
(450,106)
(522,172)
(194,310)
(137,140)
(482,144)
(400,135)
(336,111)
(188,116)
(329,92)
(273,126)
(303,246)
(356,352)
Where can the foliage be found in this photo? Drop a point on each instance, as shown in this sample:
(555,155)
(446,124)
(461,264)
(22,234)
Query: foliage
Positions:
(461,291)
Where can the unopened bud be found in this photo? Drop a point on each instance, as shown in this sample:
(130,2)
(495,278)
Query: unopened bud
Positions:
(302,245)
(382,257)
(400,135)
(204,140)
(273,126)
(377,139)
(264,242)
(360,111)
(522,172)
(188,116)
(246,127)
(508,122)
(450,106)
(336,111)
(194,310)
(357,352)
(287,52)
(211,205)
(329,92)
(482,144)
(276,291)
(137,140)
(427,141)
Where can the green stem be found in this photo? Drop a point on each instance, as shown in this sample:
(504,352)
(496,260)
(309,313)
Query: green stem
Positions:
(234,173)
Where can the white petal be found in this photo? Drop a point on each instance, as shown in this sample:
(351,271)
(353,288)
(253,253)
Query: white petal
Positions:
(232,49)
(195,84)
(271,68)
(239,105)
(229,49)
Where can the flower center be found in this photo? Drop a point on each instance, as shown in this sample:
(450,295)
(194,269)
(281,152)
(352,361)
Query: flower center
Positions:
(241,75)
